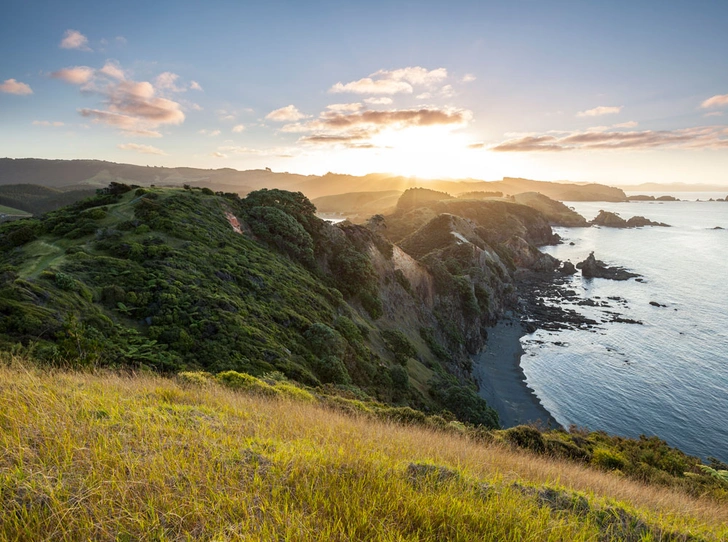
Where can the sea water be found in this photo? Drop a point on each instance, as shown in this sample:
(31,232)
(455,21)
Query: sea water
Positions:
(668,376)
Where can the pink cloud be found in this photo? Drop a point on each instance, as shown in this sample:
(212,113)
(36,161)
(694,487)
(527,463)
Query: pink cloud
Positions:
(719,100)
(11,86)
(73,39)
(78,75)
(599,111)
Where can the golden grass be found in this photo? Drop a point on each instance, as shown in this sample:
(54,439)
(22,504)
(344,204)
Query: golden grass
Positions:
(113,457)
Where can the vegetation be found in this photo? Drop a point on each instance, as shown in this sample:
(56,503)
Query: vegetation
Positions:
(110,456)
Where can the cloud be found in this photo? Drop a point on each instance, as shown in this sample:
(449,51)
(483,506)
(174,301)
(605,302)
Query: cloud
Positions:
(719,100)
(714,114)
(368,85)
(73,39)
(78,75)
(357,128)
(209,133)
(277,152)
(120,41)
(11,86)
(168,81)
(415,75)
(133,108)
(217,154)
(468,78)
(113,70)
(54,124)
(238,128)
(378,101)
(351,107)
(447,91)
(599,111)
(143,149)
(479,145)
(285,114)
(194,85)
(424,96)
(701,137)
(629,124)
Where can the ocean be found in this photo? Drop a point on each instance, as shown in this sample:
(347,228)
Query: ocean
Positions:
(669,376)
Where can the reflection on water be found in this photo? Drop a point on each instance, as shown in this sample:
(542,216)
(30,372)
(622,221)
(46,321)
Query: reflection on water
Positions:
(669,376)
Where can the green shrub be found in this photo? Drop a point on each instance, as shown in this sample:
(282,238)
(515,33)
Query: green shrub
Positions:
(245,382)
(608,459)
(398,343)
(291,391)
(196,378)
(525,436)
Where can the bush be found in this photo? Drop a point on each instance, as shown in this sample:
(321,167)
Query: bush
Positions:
(294,392)
(525,436)
(195,378)
(245,382)
(608,459)
(398,343)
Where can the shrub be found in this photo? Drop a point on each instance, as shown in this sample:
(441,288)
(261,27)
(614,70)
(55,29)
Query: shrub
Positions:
(294,392)
(398,343)
(195,378)
(608,459)
(525,436)
(245,382)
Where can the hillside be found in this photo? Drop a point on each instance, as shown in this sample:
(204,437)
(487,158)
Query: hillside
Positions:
(119,457)
(98,174)
(176,279)
(358,206)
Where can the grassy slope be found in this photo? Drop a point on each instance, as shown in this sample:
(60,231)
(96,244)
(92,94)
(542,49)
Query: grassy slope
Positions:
(109,457)
(11,211)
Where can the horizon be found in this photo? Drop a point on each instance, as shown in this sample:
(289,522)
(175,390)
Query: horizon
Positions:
(619,95)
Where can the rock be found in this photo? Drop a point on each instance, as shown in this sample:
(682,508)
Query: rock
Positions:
(656,304)
(667,198)
(718,228)
(640,221)
(572,244)
(593,268)
(567,268)
(609,220)
(641,198)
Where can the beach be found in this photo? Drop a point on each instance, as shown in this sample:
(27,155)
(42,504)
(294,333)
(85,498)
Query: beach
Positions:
(502,381)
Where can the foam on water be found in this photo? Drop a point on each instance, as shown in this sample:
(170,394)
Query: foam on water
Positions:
(669,376)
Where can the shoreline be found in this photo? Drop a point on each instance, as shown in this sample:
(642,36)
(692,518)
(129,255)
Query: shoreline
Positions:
(502,382)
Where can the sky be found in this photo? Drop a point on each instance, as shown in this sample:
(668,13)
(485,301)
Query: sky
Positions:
(614,92)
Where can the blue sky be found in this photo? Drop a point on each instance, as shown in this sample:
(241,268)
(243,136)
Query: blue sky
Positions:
(617,92)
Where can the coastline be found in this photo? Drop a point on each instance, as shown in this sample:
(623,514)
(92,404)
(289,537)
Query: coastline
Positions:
(497,368)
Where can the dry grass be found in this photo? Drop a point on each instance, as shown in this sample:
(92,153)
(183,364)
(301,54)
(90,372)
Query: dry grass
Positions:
(111,457)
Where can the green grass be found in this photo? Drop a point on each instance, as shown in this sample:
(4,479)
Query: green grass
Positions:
(120,457)
(13,212)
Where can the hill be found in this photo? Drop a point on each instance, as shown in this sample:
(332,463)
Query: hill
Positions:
(110,456)
(180,279)
(97,174)
(358,205)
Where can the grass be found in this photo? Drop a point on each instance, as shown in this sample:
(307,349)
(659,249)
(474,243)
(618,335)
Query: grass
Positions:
(112,456)
(13,212)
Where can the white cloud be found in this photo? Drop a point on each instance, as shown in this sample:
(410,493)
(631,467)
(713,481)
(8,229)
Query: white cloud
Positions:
(368,85)
(447,91)
(168,81)
(73,39)
(238,128)
(424,96)
(378,101)
(628,124)
(351,107)
(78,75)
(11,86)
(714,114)
(217,154)
(468,78)
(285,114)
(194,85)
(209,133)
(600,110)
(415,75)
(120,40)
(143,149)
(113,70)
(54,124)
(719,100)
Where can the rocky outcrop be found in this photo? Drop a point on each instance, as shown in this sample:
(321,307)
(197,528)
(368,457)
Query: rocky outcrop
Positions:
(608,219)
(567,268)
(555,212)
(639,221)
(593,268)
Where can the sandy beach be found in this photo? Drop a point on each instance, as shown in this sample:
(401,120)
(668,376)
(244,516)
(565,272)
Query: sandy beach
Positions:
(502,381)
